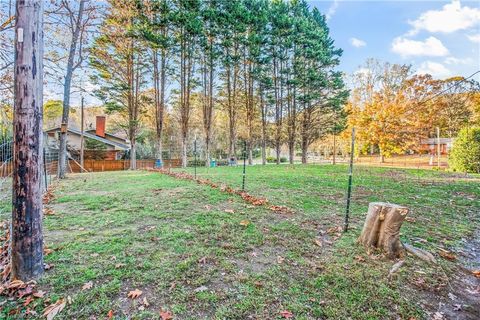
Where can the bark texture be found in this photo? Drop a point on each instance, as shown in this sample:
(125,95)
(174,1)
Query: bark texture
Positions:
(27,235)
(382,228)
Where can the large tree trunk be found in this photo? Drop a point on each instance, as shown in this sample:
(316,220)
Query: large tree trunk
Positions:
(382,228)
(184,151)
(159,92)
(304,150)
(264,127)
(27,235)
(62,155)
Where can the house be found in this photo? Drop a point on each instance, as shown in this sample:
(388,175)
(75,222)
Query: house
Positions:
(108,146)
(430,145)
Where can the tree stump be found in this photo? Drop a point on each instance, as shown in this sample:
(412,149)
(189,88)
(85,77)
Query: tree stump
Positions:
(382,228)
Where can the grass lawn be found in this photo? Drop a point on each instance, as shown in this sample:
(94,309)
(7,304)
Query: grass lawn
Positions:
(201,253)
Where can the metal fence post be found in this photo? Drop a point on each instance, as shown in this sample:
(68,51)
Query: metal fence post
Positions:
(195,154)
(350,176)
(244,163)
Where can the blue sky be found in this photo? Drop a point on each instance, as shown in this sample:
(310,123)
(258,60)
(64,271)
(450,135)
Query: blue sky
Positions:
(437,37)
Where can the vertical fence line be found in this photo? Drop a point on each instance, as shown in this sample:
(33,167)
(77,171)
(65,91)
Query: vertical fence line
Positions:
(350,176)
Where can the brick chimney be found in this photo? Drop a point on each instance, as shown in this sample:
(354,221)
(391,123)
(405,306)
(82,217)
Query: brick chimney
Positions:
(100,126)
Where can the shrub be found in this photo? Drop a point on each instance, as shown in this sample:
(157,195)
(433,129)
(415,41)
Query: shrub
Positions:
(465,154)
(199,162)
(271,159)
(274,159)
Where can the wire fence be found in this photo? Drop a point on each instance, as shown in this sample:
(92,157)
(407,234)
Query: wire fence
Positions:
(341,187)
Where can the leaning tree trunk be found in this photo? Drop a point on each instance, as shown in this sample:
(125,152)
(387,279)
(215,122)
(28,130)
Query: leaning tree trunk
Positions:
(382,228)
(27,236)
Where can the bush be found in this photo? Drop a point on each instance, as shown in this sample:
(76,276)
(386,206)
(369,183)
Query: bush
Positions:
(274,159)
(465,154)
(271,159)
(200,163)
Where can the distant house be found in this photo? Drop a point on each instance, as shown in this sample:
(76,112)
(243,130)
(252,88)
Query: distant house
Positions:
(109,146)
(430,145)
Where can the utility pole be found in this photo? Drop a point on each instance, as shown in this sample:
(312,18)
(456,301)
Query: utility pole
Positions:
(81,135)
(438,147)
(27,235)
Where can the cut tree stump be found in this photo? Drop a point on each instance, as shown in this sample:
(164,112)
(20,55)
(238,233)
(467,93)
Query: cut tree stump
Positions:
(382,228)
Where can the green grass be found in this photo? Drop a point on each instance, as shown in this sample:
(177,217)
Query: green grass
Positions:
(172,238)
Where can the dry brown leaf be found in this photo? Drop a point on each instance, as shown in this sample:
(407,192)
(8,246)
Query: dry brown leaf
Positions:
(360,259)
(286,314)
(229,211)
(280,259)
(52,310)
(15,284)
(318,242)
(244,223)
(110,314)
(87,286)
(166,315)
(476,273)
(27,301)
(134,294)
(447,255)
(145,302)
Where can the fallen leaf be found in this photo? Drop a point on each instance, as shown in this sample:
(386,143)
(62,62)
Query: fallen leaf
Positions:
(201,289)
(110,314)
(87,286)
(27,301)
(229,211)
(244,223)
(476,273)
(360,259)
(134,294)
(39,294)
(52,310)
(447,255)
(286,314)
(15,284)
(145,302)
(280,259)
(318,242)
(166,315)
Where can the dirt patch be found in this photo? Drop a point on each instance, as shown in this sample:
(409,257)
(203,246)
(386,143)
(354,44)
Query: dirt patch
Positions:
(460,300)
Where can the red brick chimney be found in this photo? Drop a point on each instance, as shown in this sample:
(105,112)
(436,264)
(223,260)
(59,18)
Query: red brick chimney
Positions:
(100,126)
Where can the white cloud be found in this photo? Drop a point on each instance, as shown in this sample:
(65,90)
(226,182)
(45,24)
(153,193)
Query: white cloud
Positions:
(362,71)
(452,17)
(437,70)
(474,37)
(457,61)
(430,47)
(333,8)
(357,43)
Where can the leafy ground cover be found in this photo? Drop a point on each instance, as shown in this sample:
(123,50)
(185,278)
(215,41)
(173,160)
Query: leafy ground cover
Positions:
(200,253)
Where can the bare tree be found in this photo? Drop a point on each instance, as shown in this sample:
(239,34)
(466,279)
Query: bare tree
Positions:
(75,20)
(27,235)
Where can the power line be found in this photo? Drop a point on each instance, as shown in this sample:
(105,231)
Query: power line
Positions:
(447,89)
